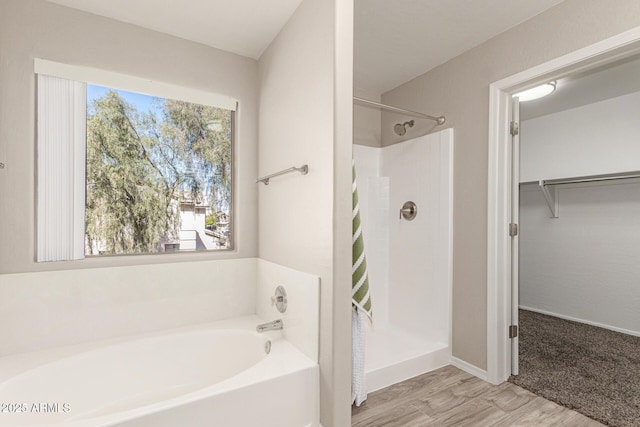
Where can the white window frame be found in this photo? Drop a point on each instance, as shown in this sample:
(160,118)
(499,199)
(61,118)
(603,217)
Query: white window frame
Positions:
(56,243)
(133,84)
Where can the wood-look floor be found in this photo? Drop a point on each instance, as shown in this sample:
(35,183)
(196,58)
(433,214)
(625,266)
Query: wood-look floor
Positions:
(451,397)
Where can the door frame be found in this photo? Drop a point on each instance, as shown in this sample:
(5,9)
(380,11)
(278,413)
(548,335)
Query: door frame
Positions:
(499,212)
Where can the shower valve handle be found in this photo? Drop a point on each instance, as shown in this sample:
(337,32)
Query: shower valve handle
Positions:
(279,298)
(408,211)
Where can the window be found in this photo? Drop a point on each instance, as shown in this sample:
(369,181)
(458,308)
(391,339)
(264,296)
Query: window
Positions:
(158,174)
(151,173)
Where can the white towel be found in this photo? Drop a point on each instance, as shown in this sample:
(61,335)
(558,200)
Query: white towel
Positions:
(358,380)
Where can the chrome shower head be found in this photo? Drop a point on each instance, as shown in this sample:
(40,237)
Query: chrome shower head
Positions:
(401,128)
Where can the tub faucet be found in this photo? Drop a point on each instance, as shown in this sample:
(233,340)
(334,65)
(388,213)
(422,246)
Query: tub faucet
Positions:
(276,325)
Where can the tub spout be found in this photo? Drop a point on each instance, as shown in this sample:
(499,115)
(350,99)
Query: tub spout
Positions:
(276,325)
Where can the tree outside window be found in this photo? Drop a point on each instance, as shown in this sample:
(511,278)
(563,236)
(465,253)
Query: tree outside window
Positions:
(158,174)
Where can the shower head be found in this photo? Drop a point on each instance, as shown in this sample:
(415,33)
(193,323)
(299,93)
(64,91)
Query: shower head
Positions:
(401,128)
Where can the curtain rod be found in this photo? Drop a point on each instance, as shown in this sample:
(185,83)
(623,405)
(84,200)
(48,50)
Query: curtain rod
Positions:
(587,178)
(440,120)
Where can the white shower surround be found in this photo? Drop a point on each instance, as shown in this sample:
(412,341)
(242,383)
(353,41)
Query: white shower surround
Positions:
(410,263)
(60,308)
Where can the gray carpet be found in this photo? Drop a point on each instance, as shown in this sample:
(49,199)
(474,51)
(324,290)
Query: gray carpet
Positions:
(591,370)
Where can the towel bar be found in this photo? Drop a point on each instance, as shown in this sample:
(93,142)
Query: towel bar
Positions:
(304,169)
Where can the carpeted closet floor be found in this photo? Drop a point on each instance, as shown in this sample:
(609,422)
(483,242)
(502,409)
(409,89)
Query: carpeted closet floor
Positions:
(592,370)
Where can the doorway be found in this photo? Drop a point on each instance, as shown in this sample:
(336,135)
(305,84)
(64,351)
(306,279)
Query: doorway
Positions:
(499,247)
(577,251)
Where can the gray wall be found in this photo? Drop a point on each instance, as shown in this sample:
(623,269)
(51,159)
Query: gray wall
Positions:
(366,121)
(459,89)
(38,29)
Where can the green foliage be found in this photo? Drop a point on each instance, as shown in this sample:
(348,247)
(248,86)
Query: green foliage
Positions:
(140,165)
(210,220)
(201,135)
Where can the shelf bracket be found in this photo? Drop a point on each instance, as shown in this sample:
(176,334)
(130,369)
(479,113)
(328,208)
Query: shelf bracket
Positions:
(550,193)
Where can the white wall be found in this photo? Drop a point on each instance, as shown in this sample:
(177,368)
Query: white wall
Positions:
(53,309)
(299,124)
(49,309)
(420,170)
(585,264)
(39,29)
(296,128)
(599,138)
(301,319)
(409,262)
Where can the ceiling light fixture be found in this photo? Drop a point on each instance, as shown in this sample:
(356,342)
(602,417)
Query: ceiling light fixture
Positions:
(536,92)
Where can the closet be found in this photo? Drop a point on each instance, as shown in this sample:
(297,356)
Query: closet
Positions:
(579,243)
(580,199)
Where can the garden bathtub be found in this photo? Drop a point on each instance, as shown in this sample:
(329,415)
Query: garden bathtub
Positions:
(217,374)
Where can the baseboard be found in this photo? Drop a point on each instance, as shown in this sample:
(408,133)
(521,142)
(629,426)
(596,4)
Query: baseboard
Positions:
(586,322)
(385,376)
(469,368)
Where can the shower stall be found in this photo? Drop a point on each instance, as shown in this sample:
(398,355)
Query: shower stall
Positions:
(409,251)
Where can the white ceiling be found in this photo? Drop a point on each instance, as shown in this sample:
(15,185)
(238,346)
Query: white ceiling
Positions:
(245,27)
(396,41)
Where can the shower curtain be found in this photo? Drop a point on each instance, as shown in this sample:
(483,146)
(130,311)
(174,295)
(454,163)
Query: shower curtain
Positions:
(360,300)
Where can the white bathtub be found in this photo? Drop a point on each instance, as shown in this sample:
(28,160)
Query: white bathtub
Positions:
(216,374)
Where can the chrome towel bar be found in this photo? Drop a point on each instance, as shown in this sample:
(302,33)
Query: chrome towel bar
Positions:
(304,169)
